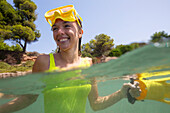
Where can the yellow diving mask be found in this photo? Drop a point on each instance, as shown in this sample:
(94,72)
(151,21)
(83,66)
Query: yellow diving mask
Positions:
(66,13)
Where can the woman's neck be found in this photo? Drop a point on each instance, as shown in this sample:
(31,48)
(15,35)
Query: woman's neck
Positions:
(69,57)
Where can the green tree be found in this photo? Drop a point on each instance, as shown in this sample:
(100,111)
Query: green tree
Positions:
(86,50)
(17,24)
(115,52)
(135,45)
(102,45)
(159,36)
(124,48)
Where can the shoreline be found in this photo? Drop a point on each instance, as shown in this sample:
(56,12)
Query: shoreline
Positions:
(16,74)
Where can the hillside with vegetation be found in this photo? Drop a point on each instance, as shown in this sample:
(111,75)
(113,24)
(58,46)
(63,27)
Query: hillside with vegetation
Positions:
(14,63)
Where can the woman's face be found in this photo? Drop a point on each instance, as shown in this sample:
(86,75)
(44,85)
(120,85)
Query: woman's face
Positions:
(66,34)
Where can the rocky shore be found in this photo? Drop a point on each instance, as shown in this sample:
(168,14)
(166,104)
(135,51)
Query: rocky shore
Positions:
(12,58)
(16,74)
(9,58)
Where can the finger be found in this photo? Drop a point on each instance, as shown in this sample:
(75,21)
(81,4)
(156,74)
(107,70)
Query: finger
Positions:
(136,83)
(132,86)
(138,87)
(135,92)
(127,85)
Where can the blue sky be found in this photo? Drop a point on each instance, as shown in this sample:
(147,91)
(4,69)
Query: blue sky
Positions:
(126,21)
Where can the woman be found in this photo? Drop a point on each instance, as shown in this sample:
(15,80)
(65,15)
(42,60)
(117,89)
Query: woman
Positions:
(67,33)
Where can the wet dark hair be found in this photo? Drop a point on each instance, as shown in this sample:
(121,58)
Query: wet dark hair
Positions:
(80,27)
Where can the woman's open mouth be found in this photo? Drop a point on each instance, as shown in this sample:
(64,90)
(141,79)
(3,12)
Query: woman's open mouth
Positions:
(63,39)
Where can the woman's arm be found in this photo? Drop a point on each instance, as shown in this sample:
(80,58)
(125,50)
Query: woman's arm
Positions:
(6,96)
(99,103)
(18,103)
(22,101)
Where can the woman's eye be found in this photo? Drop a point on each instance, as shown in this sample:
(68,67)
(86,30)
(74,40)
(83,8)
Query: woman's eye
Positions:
(67,26)
(54,29)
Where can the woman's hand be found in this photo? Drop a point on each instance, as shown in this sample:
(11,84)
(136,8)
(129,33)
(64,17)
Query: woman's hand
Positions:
(134,89)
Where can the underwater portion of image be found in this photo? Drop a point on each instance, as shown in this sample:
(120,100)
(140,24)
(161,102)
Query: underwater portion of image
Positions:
(149,65)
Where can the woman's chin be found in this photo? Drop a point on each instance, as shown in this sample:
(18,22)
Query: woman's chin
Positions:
(64,48)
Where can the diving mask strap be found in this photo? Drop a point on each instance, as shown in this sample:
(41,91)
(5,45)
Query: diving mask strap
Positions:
(76,14)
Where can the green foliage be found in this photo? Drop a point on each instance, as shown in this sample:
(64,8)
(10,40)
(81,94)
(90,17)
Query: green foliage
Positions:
(115,52)
(5,34)
(124,48)
(16,47)
(8,14)
(101,45)
(86,54)
(4,67)
(22,33)
(28,64)
(29,24)
(1,16)
(18,24)
(4,46)
(28,5)
(37,35)
(86,50)
(18,3)
(159,36)
(135,45)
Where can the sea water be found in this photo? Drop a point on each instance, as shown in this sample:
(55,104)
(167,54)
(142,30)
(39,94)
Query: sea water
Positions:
(110,77)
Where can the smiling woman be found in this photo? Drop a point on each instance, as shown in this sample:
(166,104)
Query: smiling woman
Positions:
(67,33)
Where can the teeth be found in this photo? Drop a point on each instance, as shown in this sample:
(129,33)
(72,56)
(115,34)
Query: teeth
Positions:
(63,40)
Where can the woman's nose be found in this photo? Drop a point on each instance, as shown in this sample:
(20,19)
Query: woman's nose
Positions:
(60,31)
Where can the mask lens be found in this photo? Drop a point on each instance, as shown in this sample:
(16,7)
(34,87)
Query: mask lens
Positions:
(65,9)
(61,10)
(50,13)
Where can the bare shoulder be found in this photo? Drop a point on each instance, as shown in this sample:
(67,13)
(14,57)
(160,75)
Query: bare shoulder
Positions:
(42,57)
(41,63)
